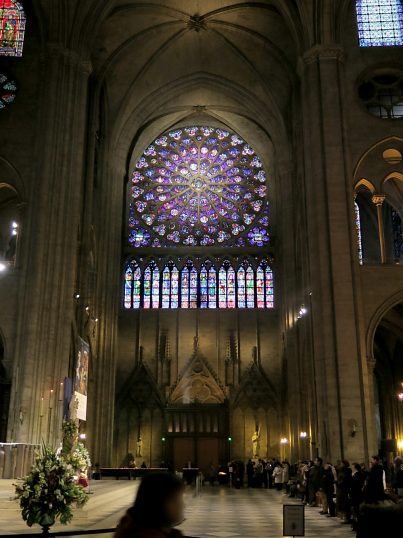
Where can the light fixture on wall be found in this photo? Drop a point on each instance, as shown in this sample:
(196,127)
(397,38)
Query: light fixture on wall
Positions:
(3,267)
(400,445)
(400,395)
(284,441)
(303,311)
(303,435)
(82,436)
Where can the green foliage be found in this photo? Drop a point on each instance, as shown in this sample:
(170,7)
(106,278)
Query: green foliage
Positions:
(49,491)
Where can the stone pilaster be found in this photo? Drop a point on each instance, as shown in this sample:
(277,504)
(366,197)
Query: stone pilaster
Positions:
(338,349)
(50,252)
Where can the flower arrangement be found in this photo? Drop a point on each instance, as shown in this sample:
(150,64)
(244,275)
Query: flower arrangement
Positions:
(79,459)
(49,491)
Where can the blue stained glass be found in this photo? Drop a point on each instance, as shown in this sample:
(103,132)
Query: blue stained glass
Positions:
(128,287)
(380,23)
(193,289)
(166,287)
(194,188)
(156,288)
(174,288)
(185,288)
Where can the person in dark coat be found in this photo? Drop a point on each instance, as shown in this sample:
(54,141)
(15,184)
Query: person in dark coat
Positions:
(158,508)
(327,491)
(315,479)
(343,489)
(250,471)
(374,490)
(357,491)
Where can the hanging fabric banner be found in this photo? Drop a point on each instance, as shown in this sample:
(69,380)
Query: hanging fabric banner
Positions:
(81,379)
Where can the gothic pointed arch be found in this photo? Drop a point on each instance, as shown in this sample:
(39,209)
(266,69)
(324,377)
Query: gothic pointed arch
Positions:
(255,390)
(197,383)
(141,389)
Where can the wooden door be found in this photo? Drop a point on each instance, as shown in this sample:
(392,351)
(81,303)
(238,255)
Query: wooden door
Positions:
(208,452)
(183,452)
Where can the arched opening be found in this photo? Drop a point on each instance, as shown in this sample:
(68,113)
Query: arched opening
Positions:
(5,390)
(388,353)
(9,224)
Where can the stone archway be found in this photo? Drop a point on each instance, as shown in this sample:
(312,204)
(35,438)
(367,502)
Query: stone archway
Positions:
(388,379)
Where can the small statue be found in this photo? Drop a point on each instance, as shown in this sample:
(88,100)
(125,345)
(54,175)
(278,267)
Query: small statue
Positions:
(256,442)
(139,450)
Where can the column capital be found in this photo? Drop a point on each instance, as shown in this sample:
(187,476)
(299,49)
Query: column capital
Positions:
(378,199)
(58,50)
(323,52)
(371,362)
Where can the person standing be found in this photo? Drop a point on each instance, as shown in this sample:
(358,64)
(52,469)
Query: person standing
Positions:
(343,491)
(278,476)
(374,488)
(357,493)
(315,478)
(327,491)
(250,472)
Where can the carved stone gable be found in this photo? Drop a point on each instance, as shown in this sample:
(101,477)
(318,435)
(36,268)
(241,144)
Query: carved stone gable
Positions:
(255,390)
(140,389)
(197,383)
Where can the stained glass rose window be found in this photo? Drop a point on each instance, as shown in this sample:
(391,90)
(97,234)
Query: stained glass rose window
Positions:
(199,186)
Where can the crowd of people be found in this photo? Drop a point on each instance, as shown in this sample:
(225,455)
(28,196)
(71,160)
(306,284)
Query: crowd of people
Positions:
(368,499)
(357,495)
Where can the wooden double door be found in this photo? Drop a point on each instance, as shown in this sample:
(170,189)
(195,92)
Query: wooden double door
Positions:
(200,451)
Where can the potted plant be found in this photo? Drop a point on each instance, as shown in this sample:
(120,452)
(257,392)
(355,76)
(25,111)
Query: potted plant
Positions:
(49,492)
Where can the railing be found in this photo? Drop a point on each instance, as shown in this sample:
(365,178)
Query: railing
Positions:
(61,533)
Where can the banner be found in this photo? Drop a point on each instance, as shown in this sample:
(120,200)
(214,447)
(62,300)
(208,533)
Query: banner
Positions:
(81,379)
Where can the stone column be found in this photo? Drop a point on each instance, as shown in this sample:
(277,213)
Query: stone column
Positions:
(337,325)
(49,252)
(378,200)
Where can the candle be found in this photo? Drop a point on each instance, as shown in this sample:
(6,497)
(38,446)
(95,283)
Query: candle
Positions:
(61,392)
(51,399)
(41,408)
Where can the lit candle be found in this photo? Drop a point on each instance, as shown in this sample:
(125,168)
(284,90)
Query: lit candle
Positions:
(41,408)
(61,392)
(51,399)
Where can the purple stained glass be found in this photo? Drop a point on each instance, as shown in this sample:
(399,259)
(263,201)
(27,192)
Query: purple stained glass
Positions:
(198,186)
(380,23)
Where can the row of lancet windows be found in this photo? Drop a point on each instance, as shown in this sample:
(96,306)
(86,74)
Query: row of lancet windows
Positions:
(206,287)
(380,24)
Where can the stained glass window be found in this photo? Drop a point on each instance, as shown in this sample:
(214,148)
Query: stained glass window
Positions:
(260,287)
(358,231)
(166,288)
(202,286)
(380,22)
(151,290)
(241,287)
(8,90)
(12,28)
(269,287)
(199,186)
(132,286)
(174,288)
(189,286)
(128,287)
(250,288)
(212,288)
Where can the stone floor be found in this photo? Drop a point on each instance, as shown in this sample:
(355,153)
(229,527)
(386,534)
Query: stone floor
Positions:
(215,513)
